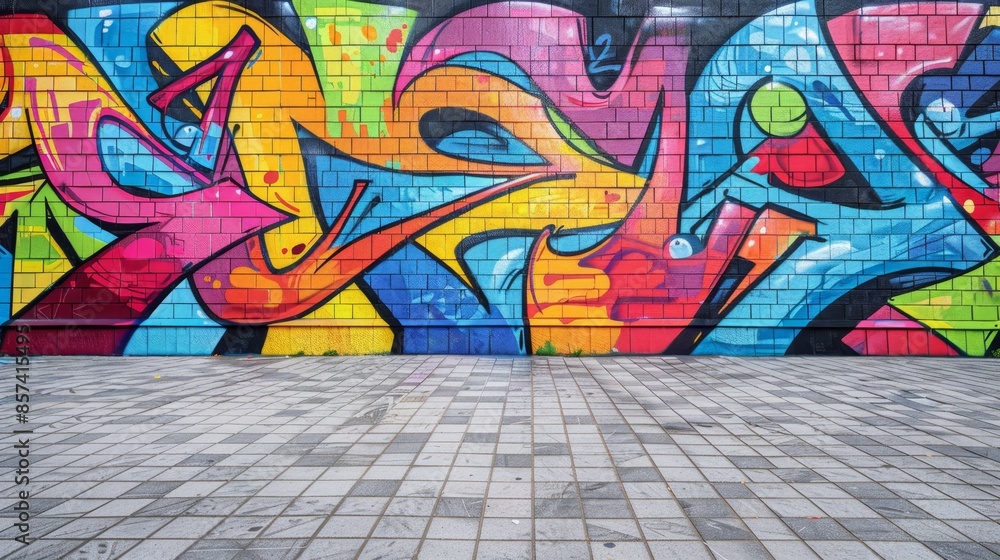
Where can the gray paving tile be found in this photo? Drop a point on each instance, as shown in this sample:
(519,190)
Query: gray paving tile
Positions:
(750,550)
(459,507)
(506,529)
(672,550)
(332,549)
(656,508)
(930,530)
(706,508)
(217,549)
(598,509)
(790,549)
(266,505)
(291,527)
(375,488)
(840,550)
(983,532)
(407,506)
(721,529)
(84,528)
(874,530)
(76,507)
(167,548)
(961,550)
(844,508)
(400,527)
(639,474)
(194,489)
(559,529)
(674,529)
(362,505)
(562,550)
(239,488)
(731,455)
(822,529)
(613,530)
(896,509)
(276,549)
(347,526)
(215,506)
(592,490)
(104,548)
(790,507)
(948,509)
(389,548)
(620,550)
(511,508)
(902,551)
(770,529)
(512,460)
(452,527)
(152,489)
(498,550)
(557,507)
(447,550)
(733,490)
(135,528)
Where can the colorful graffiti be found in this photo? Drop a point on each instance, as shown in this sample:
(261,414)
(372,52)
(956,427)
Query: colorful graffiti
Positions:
(339,176)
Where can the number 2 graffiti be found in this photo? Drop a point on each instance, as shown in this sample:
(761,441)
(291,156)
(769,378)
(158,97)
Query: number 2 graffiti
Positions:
(598,61)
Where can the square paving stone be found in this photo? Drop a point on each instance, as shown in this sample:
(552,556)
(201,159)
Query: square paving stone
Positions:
(874,530)
(376,488)
(512,460)
(332,548)
(673,550)
(749,550)
(601,490)
(557,507)
(598,508)
(389,548)
(506,550)
(447,550)
(896,509)
(721,529)
(452,527)
(961,550)
(824,529)
(619,550)
(562,550)
(706,508)
(459,507)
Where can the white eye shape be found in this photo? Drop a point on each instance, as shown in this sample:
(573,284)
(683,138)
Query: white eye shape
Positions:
(680,248)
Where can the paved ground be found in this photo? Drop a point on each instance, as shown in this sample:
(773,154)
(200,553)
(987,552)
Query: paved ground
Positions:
(460,457)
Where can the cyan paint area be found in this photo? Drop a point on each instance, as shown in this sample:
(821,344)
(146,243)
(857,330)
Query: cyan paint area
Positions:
(169,329)
(115,36)
(957,117)
(919,228)
(439,314)
(389,196)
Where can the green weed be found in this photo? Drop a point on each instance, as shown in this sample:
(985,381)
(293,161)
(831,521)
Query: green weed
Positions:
(546,349)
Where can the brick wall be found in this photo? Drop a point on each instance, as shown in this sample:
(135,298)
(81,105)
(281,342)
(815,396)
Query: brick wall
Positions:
(337,176)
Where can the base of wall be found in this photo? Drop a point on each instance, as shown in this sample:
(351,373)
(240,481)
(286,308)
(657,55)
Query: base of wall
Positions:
(568,341)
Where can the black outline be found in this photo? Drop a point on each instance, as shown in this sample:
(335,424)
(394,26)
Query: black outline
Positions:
(60,237)
(881,287)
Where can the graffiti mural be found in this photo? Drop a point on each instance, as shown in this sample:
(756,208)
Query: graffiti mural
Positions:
(341,176)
